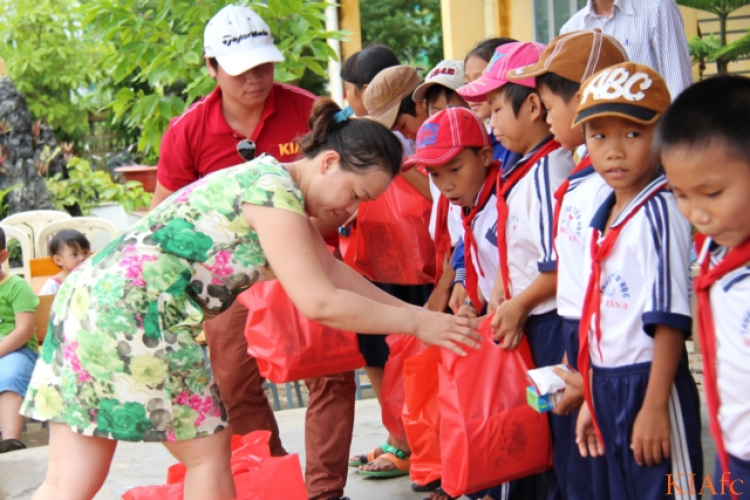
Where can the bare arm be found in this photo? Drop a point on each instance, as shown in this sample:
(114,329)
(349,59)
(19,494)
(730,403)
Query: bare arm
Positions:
(22,333)
(292,252)
(650,441)
(418,181)
(160,194)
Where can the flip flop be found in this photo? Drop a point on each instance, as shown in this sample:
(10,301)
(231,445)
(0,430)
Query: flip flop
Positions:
(366,459)
(398,457)
(431,486)
(7,445)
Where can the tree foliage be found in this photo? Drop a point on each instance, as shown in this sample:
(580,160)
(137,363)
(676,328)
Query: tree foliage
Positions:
(52,60)
(716,49)
(153,53)
(412,28)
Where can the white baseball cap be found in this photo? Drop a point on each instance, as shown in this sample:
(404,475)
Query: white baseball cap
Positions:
(239,40)
(447,73)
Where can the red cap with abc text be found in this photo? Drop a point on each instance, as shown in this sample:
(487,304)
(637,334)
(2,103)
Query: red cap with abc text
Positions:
(445,134)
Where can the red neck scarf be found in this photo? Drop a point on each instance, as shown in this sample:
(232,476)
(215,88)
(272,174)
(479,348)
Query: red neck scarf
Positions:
(560,193)
(503,188)
(442,236)
(592,299)
(736,258)
(470,244)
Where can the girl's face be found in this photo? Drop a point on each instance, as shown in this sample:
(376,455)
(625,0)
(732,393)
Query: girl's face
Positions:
(473,69)
(333,192)
(353,96)
(511,129)
(711,186)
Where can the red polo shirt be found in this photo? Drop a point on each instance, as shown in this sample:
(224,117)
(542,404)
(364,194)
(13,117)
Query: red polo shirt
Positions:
(200,141)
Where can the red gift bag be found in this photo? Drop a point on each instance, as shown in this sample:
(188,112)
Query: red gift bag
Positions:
(390,241)
(287,345)
(421,416)
(489,434)
(392,387)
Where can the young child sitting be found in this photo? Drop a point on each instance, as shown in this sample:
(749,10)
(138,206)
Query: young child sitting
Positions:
(642,403)
(521,286)
(708,126)
(563,66)
(68,249)
(18,351)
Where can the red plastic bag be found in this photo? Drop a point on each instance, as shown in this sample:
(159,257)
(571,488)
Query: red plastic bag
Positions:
(287,345)
(392,387)
(421,415)
(257,475)
(489,434)
(390,241)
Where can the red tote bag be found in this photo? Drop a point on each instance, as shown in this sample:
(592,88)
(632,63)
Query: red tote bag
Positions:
(421,415)
(287,345)
(392,387)
(488,433)
(390,241)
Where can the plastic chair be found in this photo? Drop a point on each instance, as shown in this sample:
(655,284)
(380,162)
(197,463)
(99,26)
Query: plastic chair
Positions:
(41,269)
(15,233)
(41,320)
(32,221)
(89,226)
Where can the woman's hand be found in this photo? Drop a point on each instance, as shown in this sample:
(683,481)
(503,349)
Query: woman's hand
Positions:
(449,332)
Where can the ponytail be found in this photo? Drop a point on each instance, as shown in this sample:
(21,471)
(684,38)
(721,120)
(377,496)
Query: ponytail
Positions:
(363,144)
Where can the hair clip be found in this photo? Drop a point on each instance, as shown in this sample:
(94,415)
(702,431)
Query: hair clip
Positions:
(343,115)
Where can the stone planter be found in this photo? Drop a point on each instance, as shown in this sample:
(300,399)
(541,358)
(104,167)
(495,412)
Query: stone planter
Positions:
(145,174)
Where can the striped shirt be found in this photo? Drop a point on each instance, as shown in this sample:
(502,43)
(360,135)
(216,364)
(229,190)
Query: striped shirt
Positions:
(652,32)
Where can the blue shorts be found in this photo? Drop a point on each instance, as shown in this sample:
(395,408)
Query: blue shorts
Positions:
(618,396)
(16,369)
(739,470)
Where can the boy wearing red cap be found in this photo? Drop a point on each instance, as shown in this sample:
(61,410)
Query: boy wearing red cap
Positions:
(642,405)
(522,299)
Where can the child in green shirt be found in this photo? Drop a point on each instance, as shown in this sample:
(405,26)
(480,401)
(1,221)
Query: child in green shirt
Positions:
(18,351)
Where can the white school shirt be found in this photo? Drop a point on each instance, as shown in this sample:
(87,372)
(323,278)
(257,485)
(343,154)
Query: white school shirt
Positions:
(528,230)
(586,192)
(455,222)
(652,32)
(645,281)
(730,307)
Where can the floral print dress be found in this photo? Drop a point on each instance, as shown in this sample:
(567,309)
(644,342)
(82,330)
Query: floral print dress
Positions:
(120,359)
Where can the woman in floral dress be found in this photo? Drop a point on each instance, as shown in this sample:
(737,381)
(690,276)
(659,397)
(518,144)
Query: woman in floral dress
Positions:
(120,361)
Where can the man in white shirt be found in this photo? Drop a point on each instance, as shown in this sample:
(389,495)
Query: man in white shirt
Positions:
(652,32)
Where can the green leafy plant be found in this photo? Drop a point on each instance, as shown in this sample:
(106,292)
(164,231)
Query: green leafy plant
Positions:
(51,59)
(4,204)
(711,48)
(155,67)
(89,188)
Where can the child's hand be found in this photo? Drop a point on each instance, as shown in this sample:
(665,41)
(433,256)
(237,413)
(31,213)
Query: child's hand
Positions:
(438,300)
(586,438)
(458,296)
(573,395)
(497,296)
(507,325)
(467,311)
(650,443)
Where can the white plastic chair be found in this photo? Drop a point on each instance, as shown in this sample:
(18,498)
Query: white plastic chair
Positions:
(89,226)
(32,221)
(15,233)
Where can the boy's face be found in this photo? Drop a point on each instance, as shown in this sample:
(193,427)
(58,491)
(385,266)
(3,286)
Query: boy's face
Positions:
(560,116)
(621,152)
(439,104)
(461,179)
(409,125)
(70,257)
(712,189)
(511,130)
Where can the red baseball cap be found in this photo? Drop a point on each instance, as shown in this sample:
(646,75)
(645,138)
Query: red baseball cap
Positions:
(445,134)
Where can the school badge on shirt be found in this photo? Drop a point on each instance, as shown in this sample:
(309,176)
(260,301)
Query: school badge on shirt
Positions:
(616,292)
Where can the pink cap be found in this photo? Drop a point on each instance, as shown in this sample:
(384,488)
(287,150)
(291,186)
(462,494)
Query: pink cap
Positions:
(507,57)
(445,134)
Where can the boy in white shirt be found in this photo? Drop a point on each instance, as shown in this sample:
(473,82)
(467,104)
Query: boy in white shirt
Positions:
(520,286)
(709,126)
(566,62)
(68,249)
(642,404)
